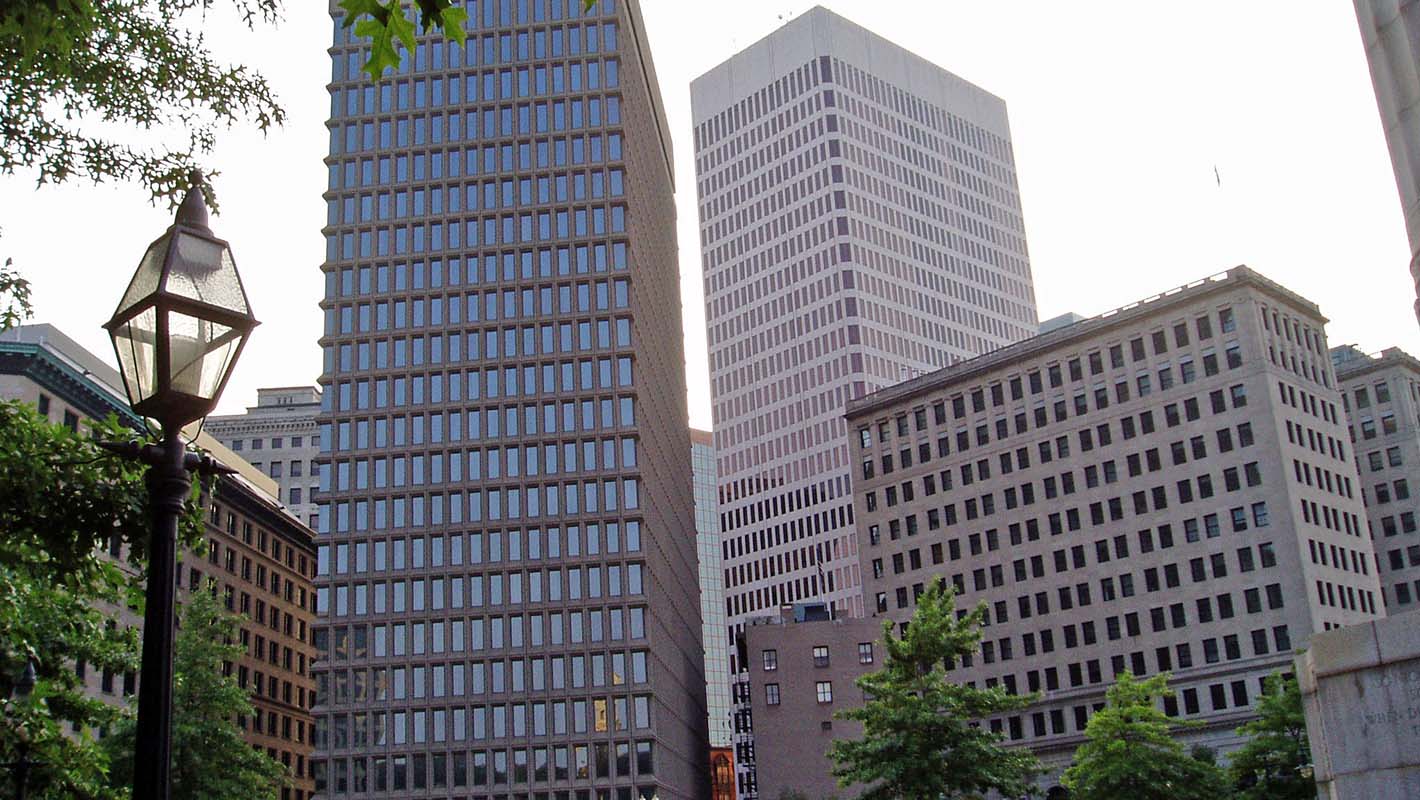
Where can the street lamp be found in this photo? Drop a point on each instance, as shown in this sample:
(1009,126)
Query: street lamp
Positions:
(177,332)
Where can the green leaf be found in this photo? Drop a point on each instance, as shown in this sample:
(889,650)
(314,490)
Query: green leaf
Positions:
(354,9)
(452,21)
(1130,751)
(382,52)
(133,65)
(402,27)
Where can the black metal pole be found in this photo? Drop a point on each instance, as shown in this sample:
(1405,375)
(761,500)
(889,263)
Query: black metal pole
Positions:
(22,774)
(168,484)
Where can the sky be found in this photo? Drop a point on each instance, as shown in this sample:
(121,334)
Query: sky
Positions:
(1155,143)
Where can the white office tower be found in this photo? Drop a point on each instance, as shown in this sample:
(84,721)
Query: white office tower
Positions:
(860,225)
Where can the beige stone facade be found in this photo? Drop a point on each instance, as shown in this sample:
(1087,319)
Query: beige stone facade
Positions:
(1361,694)
(278,436)
(1168,487)
(1381,395)
(1390,34)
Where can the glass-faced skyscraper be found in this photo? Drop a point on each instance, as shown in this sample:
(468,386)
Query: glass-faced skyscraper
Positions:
(712,587)
(508,585)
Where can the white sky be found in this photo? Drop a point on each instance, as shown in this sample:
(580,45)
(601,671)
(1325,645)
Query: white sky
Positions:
(1119,113)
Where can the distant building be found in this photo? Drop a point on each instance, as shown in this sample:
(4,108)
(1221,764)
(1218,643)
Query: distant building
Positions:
(1390,33)
(1164,488)
(802,667)
(261,558)
(1381,395)
(860,223)
(1068,318)
(278,436)
(712,590)
(722,774)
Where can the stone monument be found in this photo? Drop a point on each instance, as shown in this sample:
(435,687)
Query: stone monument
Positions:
(1361,692)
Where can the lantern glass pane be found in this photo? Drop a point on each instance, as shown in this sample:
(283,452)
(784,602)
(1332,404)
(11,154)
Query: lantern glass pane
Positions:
(135,341)
(200,353)
(150,272)
(203,269)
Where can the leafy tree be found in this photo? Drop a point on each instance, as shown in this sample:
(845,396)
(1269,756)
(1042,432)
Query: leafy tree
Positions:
(1129,753)
(389,22)
(1270,766)
(68,65)
(14,297)
(210,759)
(61,500)
(59,627)
(60,497)
(919,740)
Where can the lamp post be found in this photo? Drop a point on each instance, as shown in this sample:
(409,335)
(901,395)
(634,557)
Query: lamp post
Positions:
(177,332)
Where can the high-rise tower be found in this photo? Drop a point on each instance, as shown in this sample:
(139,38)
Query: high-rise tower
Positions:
(860,224)
(508,582)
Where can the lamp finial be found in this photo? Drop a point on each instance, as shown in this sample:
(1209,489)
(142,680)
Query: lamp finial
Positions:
(193,211)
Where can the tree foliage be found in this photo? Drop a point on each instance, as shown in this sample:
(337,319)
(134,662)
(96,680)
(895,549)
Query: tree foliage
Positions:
(60,626)
(61,500)
(210,759)
(1130,754)
(15,305)
(1270,766)
(68,67)
(387,23)
(919,738)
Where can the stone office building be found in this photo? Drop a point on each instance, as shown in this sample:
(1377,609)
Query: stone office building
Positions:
(1381,396)
(1168,487)
(278,437)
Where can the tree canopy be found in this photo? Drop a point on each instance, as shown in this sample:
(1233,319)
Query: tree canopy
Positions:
(62,500)
(78,78)
(388,23)
(210,759)
(1272,764)
(1130,754)
(920,738)
(60,497)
